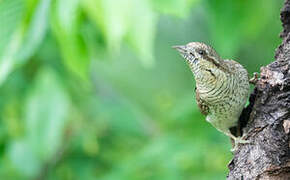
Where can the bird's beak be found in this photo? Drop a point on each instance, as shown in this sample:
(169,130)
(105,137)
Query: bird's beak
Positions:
(181,49)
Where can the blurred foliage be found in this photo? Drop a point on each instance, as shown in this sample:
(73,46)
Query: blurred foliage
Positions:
(91,89)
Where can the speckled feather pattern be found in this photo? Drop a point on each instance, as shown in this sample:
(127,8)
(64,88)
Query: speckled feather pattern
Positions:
(222,86)
(226,97)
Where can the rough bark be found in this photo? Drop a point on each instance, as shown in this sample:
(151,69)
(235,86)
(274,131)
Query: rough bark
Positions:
(267,157)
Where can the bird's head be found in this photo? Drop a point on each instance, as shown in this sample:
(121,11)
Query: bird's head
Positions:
(201,57)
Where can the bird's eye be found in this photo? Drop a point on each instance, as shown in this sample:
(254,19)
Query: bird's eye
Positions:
(201,52)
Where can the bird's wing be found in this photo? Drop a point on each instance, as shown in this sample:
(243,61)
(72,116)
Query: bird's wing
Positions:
(200,103)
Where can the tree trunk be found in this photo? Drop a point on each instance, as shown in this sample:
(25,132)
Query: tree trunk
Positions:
(268,128)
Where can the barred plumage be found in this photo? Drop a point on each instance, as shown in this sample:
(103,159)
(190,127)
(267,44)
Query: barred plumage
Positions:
(222,86)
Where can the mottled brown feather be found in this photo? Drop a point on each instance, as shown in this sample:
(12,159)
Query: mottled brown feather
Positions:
(201,104)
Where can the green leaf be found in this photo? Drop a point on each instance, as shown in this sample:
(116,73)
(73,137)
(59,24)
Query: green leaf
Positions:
(95,11)
(67,25)
(11,12)
(142,31)
(46,111)
(125,19)
(21,38)
(117,17)
(36,30)
(23,158)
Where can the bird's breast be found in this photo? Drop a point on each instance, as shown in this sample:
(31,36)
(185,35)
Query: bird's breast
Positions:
(228,91)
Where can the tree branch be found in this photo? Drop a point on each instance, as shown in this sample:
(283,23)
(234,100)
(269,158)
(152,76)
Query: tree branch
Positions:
(268,126)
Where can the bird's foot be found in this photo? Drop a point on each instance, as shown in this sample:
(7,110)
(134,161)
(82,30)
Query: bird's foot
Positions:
(237,141)
(254,79)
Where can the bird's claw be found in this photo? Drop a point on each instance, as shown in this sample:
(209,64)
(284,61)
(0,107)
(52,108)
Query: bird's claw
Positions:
(254,79)
(239,140)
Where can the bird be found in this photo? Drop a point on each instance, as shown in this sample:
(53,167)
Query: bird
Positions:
(222,87)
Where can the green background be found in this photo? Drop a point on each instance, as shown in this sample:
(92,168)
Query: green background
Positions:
(91,89)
